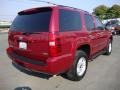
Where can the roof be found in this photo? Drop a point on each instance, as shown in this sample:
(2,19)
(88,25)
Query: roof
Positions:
(54,6)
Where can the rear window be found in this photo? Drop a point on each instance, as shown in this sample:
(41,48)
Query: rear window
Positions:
(69,20)
(32,21)
(113,22)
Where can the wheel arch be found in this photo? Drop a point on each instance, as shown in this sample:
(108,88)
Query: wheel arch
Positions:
(86,48)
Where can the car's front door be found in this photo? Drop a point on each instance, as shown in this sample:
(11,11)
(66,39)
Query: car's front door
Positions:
(101,33)
(92,34)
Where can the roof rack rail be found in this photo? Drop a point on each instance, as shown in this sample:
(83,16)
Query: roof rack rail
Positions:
(73,8)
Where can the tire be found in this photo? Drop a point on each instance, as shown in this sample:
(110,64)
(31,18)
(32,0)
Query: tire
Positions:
(114,33)
(109,48)
(79,67)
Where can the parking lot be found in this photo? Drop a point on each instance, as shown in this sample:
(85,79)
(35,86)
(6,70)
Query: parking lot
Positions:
(103,73)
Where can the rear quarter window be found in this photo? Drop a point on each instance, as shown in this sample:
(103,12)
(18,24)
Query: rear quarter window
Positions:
(69,20)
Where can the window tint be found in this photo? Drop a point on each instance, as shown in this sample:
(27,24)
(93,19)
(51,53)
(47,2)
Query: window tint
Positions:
(99,24)
(114,22)
(69,20)
(33,22)
(89,22)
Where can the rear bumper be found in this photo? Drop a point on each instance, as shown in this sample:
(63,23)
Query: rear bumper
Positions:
(52,66)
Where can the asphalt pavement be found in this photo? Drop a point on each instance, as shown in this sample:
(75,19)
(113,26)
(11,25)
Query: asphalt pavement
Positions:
(103,73)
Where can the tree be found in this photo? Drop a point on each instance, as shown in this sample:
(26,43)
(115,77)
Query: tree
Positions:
(101,11)
(104,12)
(113,12)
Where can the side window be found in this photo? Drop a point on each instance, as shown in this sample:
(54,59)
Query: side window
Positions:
(99,24)
(89,22)
(69,20)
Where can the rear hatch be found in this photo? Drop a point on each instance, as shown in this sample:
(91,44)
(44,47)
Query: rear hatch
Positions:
(29,33)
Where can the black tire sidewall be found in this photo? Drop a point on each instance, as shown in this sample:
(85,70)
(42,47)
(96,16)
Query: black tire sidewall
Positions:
(80,54)
(107,50)
(72,74)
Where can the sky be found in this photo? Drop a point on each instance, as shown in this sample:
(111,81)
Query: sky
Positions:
(9,8)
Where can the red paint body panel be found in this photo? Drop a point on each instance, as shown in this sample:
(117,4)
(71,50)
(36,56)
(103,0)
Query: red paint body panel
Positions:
(38,48)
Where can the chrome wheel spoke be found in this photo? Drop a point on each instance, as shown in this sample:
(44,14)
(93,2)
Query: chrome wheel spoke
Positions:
(81,66)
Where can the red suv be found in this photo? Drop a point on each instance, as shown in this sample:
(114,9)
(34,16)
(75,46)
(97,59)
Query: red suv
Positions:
(57,39)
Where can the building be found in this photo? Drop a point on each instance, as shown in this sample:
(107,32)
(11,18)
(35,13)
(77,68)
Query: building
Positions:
(5,24)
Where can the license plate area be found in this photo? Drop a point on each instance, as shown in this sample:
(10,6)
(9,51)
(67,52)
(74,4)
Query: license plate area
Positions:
(23,45)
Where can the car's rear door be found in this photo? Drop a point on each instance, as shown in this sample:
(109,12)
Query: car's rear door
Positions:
(92,33)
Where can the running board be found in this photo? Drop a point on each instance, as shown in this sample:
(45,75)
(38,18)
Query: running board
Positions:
(96,55)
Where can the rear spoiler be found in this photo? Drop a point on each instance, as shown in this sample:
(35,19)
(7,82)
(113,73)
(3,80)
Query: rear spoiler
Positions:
(35,10)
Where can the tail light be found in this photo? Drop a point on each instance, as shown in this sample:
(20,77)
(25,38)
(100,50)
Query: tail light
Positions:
(54,45)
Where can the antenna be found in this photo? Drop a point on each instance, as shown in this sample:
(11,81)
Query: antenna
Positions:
(73,8)
(59,5)
(45,2)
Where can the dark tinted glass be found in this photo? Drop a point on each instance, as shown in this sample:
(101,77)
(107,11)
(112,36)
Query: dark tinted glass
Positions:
(36,22)
(112,22)
(99,24)
(69,20)
(89,22)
